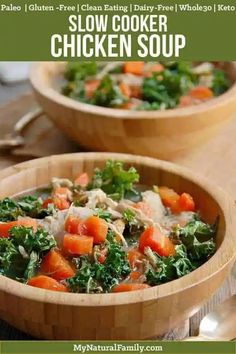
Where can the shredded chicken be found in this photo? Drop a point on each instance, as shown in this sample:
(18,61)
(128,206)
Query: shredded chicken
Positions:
(61,182)
(120,225)
(107,68)
(154,201)
(151,256)
(97,196)
(118,234)
(203,68)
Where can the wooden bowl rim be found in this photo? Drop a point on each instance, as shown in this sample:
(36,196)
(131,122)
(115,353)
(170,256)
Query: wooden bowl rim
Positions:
(168,289)
(47,91)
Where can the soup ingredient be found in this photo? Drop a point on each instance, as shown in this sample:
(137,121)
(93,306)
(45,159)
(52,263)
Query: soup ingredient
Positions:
(105,235)
(78,244)
(129,287)
(144,86)
(44,282)
(56,266)
(153,238)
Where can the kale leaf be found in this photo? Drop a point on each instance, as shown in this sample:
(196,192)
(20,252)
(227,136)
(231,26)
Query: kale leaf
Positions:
(22,252)
(220,82)
(116,182)
(80,70)
(9,210)
(108,94)
(94,277)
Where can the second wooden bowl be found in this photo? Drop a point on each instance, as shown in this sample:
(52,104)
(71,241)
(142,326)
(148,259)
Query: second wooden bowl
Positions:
(162,134)
(133,315)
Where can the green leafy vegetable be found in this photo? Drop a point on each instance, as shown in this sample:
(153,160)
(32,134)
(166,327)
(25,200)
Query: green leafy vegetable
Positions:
(103,214)
(108,94)
(220,82)
(129,216)
(21,253)
(115,181)
(96,277)
(80,71)
(9,210)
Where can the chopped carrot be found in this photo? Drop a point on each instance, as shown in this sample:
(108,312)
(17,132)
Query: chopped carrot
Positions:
(201,93)
(125,89)
(155,68)
(129,287)
(97,228)
(145,208)
(169,197)
(186,101)
(44,282)
(7,226)
(47,202)
(61,203)
(135,275)
(90,87)
(74,225)
(134,255)
(55,265)
(186,202)
(159,243)
(102,256)
(134,67)
(78,244)
(82,180)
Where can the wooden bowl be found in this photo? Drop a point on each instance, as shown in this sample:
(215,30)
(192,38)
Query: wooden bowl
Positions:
(162,134)
(133,315)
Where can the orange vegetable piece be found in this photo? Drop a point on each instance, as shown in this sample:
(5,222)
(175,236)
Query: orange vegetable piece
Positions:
(78,244)
(74,225)
(97,228)
(102,256)
(82,180)
(90,87)
(144,207)
(61,203)
(129,287)
(7,226)
(135,275)
(168,196)
(125,89)
(47,202)
(186,202)
(128,105)
(159,243)
(62,192)
(134,67)
(134,255)
(201,93)
(55,265)
(136,91)
(44,282)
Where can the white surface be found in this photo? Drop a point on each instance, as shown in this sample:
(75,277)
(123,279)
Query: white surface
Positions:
(11,72)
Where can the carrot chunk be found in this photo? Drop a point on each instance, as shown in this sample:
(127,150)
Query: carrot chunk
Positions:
(55,265)
(74,225)
(78,244)
(44,282)
(125,89)
(201,93)
(159,243)
(186,202)
(129,287)
(134,67)
(134,255)
(155,68)
(7,226)
(97,228)
(90,87)
(82,180)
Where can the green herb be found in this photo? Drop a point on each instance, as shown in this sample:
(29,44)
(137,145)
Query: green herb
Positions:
(116,182)
(220,82)
(9,210)
(80,71)
(22,252)
(32,206)
(96,277)
(129,216)
(103,214)
(108,94)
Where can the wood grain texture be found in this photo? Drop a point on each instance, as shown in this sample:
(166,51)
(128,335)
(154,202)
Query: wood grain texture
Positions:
(162,134)
(135,315)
